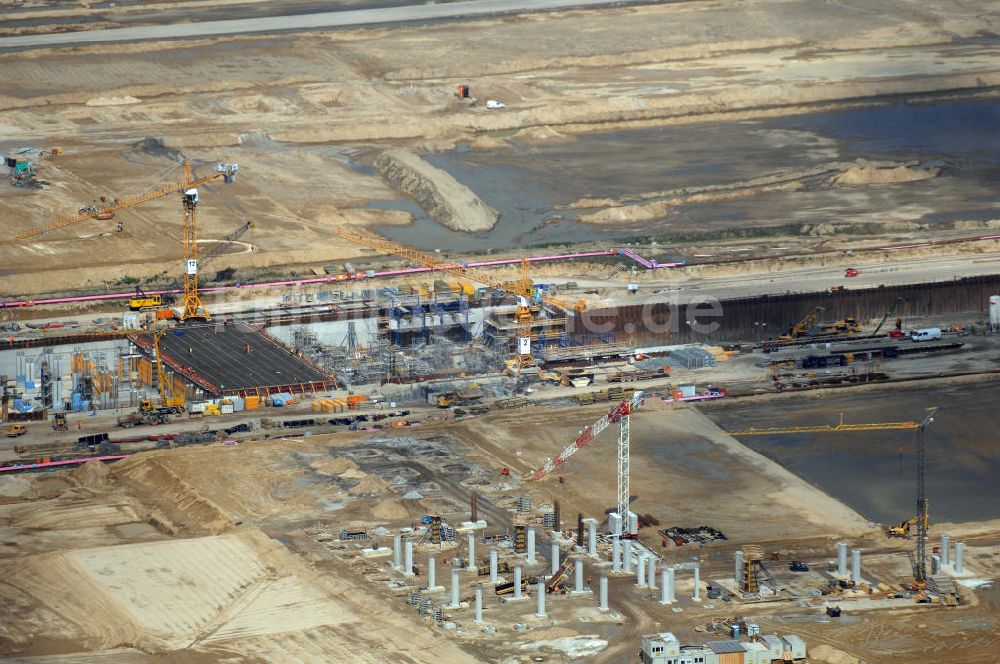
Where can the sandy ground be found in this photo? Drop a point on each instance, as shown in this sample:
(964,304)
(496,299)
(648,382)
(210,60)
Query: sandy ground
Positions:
(305,114)
(202,553)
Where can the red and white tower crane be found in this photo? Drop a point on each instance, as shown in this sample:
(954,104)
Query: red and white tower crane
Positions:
(619,414)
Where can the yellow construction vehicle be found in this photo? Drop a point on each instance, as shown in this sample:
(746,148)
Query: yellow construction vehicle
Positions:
(449,399)
(802,326)
(142,301)
(903,529)
(548,376)
(59,422)
(845,327)
(168,399)
(16,430)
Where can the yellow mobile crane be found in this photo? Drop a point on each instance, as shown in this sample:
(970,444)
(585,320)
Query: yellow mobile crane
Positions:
(169,399)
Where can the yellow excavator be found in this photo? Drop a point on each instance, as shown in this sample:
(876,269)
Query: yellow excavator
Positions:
(802,326)
(143,301)
(903,529)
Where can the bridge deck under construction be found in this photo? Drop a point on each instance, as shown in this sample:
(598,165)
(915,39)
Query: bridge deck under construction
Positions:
(236,360)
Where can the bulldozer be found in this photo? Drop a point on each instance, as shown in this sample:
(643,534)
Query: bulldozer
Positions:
(59,422)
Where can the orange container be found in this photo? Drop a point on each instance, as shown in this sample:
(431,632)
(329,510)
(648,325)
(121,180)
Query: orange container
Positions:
(251,403)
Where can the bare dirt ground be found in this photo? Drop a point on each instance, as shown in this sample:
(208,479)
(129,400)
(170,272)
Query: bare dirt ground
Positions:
(198,554)
(303,114)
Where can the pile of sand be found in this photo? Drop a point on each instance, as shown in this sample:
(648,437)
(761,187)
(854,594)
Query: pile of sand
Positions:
(388,510)
(538,134)
(830,655)
(866,174)
(447,201)
(91,474)
(333,466)
(113,101)
(627,213)
(153,473)
(370,485)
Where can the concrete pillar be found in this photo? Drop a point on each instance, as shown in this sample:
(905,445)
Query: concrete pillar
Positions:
(640,571)
(454,588)
(959,555)
(397,551)
(408,560)
(579,575)
(945,549)
(627,557)
(555,557)
(603,605)
(738,574)
(431,571)
(842,559)
(493,566)
(616,555)
(517,582)
(531,545)
(697,582)
(472,549)
(591,537)
(479,604)
(668,594)
(651,573)
(856,565)
(540,612)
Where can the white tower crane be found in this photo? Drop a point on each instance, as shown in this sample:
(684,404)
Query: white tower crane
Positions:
(620,414)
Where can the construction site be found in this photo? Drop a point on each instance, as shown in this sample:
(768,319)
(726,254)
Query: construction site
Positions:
(499,332)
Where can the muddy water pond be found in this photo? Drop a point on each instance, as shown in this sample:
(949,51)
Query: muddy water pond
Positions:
(528,182)
(875,472)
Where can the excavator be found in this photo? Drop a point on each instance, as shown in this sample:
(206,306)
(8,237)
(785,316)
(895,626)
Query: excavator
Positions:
(142,301)
(903,529)
(802,327)
(896,333)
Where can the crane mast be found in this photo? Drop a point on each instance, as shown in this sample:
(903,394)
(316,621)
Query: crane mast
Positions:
(193,306)
(620,414)
(920,568)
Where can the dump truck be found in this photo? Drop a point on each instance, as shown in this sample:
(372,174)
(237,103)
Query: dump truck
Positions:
(449,399)
(140,418)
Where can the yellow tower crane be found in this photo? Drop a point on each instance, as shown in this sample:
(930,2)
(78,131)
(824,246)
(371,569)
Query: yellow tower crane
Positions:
(107,210)
(522,288)
(922,519)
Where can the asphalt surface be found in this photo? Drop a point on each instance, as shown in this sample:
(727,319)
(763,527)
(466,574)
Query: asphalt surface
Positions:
(339,19)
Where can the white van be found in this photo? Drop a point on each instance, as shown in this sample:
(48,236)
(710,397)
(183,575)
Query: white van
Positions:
(926,334)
